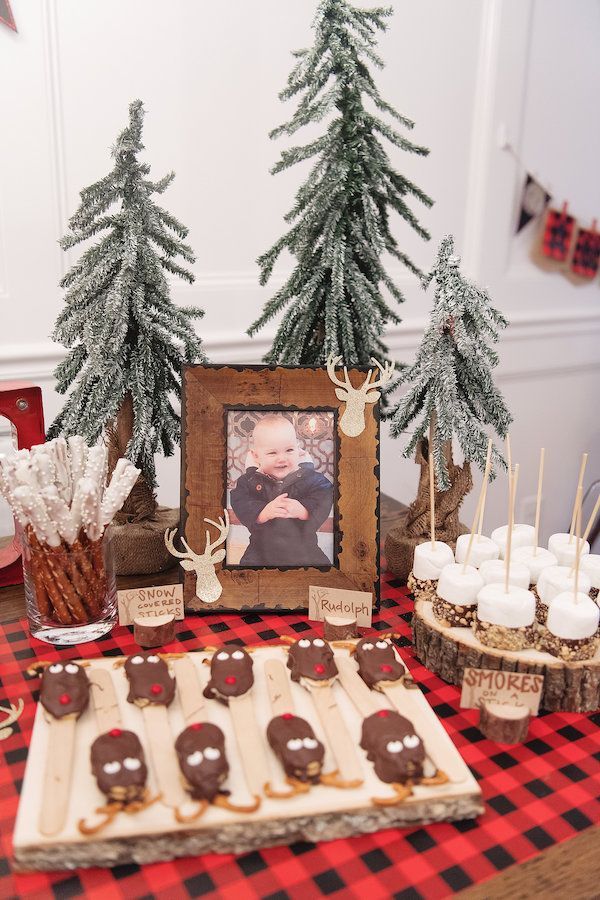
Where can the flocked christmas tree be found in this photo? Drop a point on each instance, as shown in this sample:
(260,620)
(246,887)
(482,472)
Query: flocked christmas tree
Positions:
(127,339)
(451,395)
(340,222)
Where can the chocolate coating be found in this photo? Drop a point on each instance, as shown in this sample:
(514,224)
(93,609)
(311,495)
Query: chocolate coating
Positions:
(119,766)
(150,682)
(296,747)
(65,690)
(200,750)
(311,658)
(392,745)
(230,674)
(377,661)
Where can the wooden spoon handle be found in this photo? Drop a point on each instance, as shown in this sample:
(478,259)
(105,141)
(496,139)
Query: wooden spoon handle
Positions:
(57,778)
(278,687)
(189,689)
(104,698)
(355,687)
(339,739)
(164,760)
(250,743)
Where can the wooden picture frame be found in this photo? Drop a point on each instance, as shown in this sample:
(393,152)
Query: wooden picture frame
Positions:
(209,393)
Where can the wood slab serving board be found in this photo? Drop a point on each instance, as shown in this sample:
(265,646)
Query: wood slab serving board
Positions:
(325,813)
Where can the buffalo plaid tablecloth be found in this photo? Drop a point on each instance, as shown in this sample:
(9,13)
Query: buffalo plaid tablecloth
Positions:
(536,794)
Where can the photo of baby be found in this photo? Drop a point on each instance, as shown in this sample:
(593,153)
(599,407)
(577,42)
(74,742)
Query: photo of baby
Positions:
(280,472)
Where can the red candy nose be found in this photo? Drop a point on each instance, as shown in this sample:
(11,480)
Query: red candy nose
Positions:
(156,688)
(287,716)
(231,679)
(319,668)
(64,699)
(383,713)
(385,668)
(115,732)
(196,726)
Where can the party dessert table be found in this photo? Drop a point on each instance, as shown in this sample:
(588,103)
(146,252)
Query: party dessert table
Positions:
(536,837)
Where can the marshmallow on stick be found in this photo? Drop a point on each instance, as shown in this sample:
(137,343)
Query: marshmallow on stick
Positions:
(455,598)
(428,563)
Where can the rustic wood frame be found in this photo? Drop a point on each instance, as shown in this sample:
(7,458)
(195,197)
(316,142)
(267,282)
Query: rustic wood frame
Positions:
(209,392)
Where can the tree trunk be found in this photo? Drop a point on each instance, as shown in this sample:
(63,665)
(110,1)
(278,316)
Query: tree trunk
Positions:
(414,526)
(141,503)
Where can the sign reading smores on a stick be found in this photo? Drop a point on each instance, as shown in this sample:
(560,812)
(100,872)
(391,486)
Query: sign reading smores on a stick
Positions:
(326,601)
(515,688)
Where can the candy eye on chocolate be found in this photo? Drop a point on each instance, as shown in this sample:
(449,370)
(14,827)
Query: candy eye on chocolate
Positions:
(411,741)
(222,655)
(55,669)
(304,642)
(71,668)
(366,647)
(153,659)
(237,654)
(383,645)
(394,746)
(211,753)
(195,758)
(294,744)
(111,768)
(136,660)
(310,743)
(131,763)
(318,642)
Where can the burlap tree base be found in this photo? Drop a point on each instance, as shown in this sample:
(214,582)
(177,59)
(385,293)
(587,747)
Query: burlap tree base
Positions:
(414,525)
(139,547)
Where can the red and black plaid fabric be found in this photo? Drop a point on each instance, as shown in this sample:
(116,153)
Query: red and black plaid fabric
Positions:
(558,233)
(536,794)
(586,255)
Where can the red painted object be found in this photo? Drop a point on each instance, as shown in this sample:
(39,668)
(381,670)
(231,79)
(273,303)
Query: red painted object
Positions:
(21,404)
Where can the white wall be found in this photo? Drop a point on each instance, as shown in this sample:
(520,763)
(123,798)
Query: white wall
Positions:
(468,72)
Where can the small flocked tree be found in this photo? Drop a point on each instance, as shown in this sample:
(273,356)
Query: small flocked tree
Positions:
(340,222)
(127,339)
(451,395)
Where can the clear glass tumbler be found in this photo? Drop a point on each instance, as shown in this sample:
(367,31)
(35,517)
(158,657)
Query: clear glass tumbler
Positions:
(70,590)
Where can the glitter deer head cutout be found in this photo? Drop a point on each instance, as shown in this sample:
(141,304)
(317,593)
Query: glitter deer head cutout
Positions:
(208,586)
(352,422)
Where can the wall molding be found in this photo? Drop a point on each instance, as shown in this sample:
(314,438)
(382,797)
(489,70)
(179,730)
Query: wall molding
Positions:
(37,360)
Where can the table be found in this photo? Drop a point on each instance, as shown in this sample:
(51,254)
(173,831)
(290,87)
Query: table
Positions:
(571,867)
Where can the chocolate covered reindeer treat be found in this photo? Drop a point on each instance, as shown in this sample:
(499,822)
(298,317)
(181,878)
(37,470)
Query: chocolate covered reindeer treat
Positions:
(119,766)
(377,661)
(150,682)
(311,658)
(200,750)
(65,690)
(230,675)
(294,744)
(396,751)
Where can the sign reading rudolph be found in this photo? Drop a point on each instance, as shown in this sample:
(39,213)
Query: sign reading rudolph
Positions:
(294,463)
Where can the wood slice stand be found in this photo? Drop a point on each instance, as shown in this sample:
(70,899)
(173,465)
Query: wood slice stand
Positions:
(568,687)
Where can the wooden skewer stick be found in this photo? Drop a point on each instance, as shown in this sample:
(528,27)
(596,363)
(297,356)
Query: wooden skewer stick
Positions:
(584,459)
(589,527)
(189,691)
(250,743)
(538,504)
(511,523)
(60,751)
(432,499)
(477,516)
(348,764)
(508,458)
(486,481)
(579,542)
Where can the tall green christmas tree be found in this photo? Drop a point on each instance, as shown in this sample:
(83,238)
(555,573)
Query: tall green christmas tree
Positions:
(451,395)
(340,222)
(127,340)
